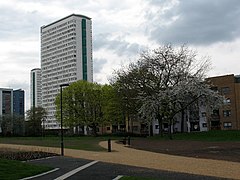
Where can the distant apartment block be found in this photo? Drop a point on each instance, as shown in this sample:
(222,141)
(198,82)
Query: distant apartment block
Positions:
(19,102)
(36,88)
(12,102)
(227,117)
(6,101)
(196,117)
(66,57)
(11,107)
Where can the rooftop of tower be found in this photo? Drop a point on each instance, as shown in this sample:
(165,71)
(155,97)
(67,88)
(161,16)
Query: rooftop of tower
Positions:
(36,69)
(78,15)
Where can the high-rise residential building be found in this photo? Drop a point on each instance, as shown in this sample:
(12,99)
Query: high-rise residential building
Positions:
(18,102)
(66,57)
(35,88)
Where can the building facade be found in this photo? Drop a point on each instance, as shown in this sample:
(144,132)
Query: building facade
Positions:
(12,104)
(227,117)
(35,88)
(6,101)
(6,106)
(66,57)
(19,102)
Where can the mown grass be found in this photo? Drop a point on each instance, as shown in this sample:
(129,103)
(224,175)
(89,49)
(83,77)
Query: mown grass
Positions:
(11,169)
(212,136)
(92,143)
(139,178)
(84,142)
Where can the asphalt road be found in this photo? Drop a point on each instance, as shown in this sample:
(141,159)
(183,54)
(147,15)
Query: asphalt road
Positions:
(76,169)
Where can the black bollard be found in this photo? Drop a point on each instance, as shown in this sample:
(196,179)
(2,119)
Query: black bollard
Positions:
(129,140)
(124,140)
(109,145)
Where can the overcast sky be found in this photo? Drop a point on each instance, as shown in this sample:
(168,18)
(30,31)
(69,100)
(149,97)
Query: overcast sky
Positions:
(121,29)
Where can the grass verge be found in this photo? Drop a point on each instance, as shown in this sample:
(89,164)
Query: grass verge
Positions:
(212,136)
(92,143)
(11,169)
(84,142)
(138,178)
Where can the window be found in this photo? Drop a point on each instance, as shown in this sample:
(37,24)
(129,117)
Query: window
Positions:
(227,124)
(227,101)
(215,112)
(204,114)
(156,126)
(204,124)
(214,89)
(225,90)
(226,113)
(135,128)
(108,128)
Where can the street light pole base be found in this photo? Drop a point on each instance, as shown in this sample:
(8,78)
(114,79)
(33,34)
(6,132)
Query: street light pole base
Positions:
(62,149)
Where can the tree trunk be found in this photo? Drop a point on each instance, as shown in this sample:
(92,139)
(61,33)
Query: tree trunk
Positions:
(94,129)
(151,130)
(170,130)
(182,121)
(160,123)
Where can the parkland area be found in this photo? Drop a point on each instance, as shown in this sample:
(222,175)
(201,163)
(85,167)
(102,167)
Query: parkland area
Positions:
(216,145)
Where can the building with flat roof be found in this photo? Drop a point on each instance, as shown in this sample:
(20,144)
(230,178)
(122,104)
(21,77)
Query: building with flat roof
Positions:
(66,57)
(227,117)
(35,88)
(12,111)
(6,101)
(19,102)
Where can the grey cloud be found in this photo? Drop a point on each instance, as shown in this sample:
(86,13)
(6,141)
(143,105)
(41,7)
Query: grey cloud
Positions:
(118,45)
(24,85)
(199,22)
(29,58)
(18,84)
(98,65)
(16,23)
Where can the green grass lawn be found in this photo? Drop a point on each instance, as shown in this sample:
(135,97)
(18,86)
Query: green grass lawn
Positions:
(10,169)
(138,178)
(216,135)
(83,142)
(91,143)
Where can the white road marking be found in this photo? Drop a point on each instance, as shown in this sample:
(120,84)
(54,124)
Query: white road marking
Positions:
(40,174)
(49,157)
(70,173)
(118,177)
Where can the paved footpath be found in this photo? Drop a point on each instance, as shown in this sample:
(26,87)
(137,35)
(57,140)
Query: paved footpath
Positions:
(123,155)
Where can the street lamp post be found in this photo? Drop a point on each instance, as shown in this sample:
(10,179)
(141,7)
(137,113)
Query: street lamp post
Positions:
(62,147)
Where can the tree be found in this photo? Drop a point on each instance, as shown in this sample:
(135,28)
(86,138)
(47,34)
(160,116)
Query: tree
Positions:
(18,125)
(34,118)
(6,125)
(166,81)
(87,104)
(12,125)
(127,95)
(113,111)
(73,105)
